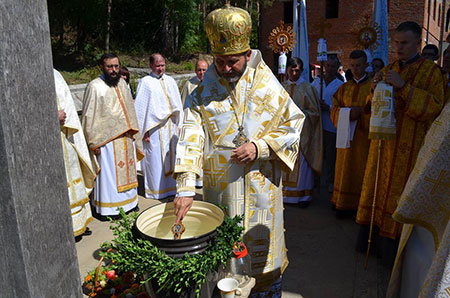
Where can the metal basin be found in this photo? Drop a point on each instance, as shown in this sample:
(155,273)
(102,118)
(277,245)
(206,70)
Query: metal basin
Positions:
(154,224)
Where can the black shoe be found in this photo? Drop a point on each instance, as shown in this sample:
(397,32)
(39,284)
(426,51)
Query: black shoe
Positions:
(88,232)
(303,204)
(345,213)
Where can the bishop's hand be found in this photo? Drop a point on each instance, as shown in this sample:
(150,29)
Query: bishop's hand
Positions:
(244,154)
(181,206)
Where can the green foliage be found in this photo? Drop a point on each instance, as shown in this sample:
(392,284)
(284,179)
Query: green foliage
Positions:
(173,27)
(81,76)
(171,274)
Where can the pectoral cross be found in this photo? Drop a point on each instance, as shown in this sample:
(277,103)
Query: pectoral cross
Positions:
(240,139)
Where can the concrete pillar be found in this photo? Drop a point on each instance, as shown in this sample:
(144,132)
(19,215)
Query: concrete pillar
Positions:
(38,257)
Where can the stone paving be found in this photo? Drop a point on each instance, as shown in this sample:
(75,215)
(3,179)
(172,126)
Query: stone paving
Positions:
(323,262)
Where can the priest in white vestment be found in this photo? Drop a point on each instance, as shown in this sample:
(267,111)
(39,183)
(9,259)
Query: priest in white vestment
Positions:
(200,68)
(422,266)
(111,129)
(79,172)
(241,127)
(298,184)
(159,113)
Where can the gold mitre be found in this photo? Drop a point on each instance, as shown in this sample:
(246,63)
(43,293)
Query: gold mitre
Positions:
(229,29)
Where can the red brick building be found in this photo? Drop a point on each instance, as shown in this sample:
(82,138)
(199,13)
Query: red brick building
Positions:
(346,17)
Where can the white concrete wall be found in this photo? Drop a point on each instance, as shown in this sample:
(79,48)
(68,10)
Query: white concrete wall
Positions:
(78,90)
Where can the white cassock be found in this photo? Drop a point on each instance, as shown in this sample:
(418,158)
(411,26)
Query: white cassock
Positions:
(79,172)
(159,112)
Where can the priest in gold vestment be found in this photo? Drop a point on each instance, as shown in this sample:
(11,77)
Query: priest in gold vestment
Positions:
(200,68)
(240,127)
(112,134)
(79,173)
(422,268)
(298,184)
(349,101)
(419,97)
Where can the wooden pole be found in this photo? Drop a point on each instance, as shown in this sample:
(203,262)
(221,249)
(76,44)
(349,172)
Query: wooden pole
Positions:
(321,80)
(372,218)
(441,35)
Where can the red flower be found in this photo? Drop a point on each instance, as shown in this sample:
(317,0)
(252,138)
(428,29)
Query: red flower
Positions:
(111,275)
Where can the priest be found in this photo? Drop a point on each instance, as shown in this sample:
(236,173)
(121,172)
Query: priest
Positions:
(240,127)
(298,184)
(112,134)
(418,96)
(200,68)
(352,142)
(159,113)
(422,268)
(79,173)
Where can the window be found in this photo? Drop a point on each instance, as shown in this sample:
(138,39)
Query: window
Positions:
(447,20)
(434,10)
(288,12)
(439,16)
(332,9)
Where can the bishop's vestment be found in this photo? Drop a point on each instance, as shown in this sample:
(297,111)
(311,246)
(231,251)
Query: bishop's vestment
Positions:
(159,113)
(416,106)
(298,184)
(351,162)
(271,120)
(109,124)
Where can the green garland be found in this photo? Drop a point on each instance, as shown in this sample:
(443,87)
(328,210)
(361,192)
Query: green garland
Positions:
(171,274)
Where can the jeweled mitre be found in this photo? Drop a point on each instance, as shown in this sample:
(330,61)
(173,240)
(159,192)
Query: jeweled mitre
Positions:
(229,29)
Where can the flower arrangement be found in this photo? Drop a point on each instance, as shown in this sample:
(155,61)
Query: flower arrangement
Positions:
(105,282)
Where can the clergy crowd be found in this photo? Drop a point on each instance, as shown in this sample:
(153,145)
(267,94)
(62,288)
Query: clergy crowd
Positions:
(254,142)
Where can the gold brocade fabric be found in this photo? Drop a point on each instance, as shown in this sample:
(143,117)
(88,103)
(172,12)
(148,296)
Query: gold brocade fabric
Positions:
(306,98)
(109,115)
(425,201)
(351,162)
(228,29)
(271,120)
(416,106)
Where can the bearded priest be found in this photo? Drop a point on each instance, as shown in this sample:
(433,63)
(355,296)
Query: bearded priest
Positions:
(112,134)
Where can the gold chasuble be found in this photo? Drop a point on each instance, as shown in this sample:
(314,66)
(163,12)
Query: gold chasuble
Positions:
(273,122)
(351,162)
(109,116)
(416,105)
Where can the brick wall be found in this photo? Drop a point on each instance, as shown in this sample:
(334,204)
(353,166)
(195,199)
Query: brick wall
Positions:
(352,15)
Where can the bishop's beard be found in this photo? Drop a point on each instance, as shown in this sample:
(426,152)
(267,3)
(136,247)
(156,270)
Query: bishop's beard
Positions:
(111,81)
